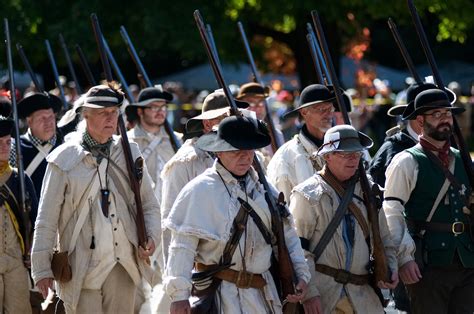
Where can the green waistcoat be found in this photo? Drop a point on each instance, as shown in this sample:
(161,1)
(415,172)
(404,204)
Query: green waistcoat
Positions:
(440,246)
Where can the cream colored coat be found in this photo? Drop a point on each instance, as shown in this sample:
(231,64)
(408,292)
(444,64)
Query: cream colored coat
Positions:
(294,162)
(67,180)
(200,222)
(158,157)
(313,205)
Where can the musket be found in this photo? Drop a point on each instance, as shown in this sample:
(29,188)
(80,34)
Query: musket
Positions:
(85,66)
(256,76)
(56,74)
(141,69)
(28,67)
(210,34)
(24,210)
(404,51)
(69,64)
(465,156)
(310,37)
(131,165)
(324,68)
(381,270)
(285,266)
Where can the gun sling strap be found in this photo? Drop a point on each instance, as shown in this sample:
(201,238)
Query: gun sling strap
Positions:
(340,275)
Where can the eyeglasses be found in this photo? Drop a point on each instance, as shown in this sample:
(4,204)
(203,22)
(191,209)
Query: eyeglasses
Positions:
(348,155)
(439,114)
(156,108)
(322,109)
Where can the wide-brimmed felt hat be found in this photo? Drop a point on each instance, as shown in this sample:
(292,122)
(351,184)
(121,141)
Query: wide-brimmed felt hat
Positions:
(38,101)
(253,89)
(411,93)
(6,126)
(428,100)
(235,133)
(5,106)
(312,95)
(102,96)
(145,97)
(215,105)
(344,138)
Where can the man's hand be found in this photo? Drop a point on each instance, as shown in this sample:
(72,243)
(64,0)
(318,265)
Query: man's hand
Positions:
(180,307)
(301,289)
(313,306)
(410,273)
(389,285)
(145,253)
(43,286)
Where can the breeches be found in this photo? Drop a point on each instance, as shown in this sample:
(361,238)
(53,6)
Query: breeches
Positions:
(14,290)
(116,296)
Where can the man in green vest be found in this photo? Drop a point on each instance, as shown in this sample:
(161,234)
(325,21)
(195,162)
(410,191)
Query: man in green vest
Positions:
(426,203)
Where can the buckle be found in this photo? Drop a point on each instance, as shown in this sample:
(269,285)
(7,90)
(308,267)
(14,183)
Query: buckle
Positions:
(342,276)
(457,230)
(247,280)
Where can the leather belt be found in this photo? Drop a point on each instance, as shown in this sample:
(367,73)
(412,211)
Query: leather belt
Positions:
(343,276)
(455,228)
(241,279)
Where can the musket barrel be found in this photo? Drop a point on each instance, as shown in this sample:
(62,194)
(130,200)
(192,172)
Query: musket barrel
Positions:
(85,66)
(314,56)
(69,64)
(404,51)
(28,67)
(55,73)
(19,158)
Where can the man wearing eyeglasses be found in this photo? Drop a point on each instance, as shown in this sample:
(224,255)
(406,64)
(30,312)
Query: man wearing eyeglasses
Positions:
(295,161)
(149,133)
(340,265)
(427,201)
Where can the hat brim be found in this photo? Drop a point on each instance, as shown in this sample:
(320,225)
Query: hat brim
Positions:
(363,143)
(396,111)
(211,142)
(145,103)
(411,113)
(294,112)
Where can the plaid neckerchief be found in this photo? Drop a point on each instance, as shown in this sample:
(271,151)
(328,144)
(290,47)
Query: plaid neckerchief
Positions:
(97,149)
(37,142)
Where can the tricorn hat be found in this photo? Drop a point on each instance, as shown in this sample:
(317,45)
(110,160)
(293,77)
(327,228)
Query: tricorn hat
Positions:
(427,100)
(344,138)
(312,95)
(38,101)
(6,126)
(235,133)
(215,105)
(253,89)
(146,97)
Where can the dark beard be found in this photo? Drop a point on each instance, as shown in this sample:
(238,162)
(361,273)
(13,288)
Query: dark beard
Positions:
(437,134)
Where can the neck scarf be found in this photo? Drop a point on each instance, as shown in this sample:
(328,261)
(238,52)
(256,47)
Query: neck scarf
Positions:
(443,152)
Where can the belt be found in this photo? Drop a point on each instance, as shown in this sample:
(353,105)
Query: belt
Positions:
(343,276)
(241,279)
(455,228)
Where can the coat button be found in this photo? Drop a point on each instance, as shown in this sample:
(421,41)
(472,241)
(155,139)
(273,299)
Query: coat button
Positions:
(443,244)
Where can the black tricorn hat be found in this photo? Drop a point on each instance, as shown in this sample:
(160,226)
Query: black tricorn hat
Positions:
(236,133)
(5,106)
(146,97)
(428,100)
(253,89)
(312,95)
(38,101)
(6,126)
